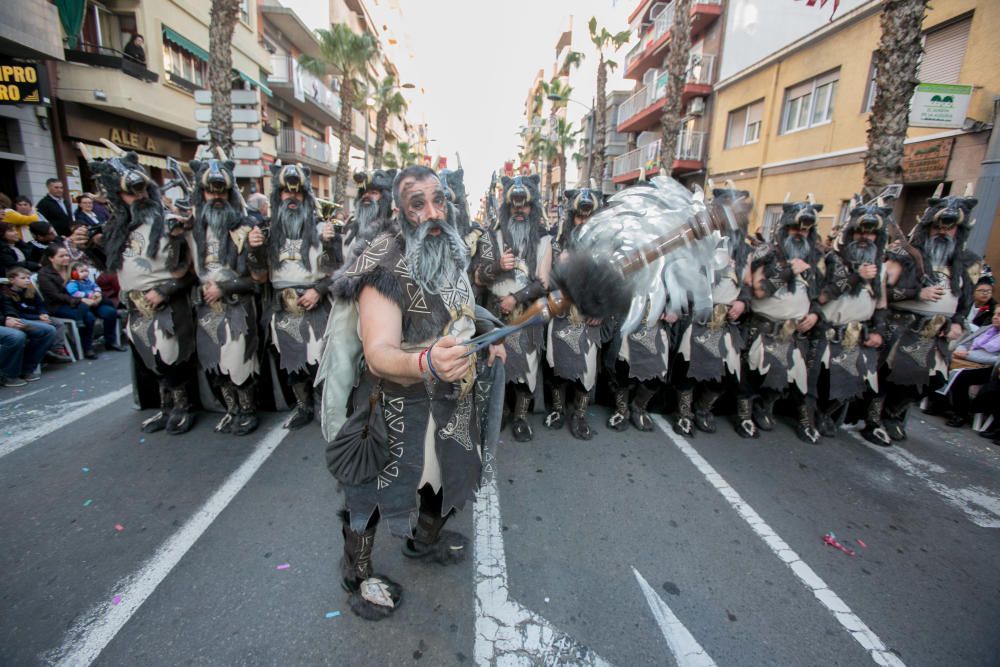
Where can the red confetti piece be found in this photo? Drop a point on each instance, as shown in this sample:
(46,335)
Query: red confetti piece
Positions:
(831,540)
(862,543)
(119,527)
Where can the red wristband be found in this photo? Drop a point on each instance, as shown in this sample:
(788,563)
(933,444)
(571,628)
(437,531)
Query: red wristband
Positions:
(420,360)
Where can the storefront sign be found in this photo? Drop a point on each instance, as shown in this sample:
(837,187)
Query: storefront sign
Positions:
(127,139)
(73,182)
(88,125)
(926,161)
(939,105)
(21,83)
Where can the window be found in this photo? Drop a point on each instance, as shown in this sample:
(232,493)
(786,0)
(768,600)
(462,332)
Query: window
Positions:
(772,214)
(186,70)
(744,125)
(245,11)
(944,51)
(810,103)
(869,100)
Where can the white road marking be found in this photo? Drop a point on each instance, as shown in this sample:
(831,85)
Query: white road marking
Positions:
(22,396)
(686,649)
(979,504)
(869,641)
(506,632)
(97,627)
(54,423)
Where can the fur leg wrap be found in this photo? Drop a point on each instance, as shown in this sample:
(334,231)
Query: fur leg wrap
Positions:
(763,410)
(520,427)
(181,418)
(158,422)
(704,420)
(640,418)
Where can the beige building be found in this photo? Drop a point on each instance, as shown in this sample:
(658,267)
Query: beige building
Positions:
(148,106)
(796,121)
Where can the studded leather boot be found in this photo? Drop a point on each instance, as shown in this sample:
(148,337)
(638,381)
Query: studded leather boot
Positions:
(557,416)
(618,420)
(745,426)
(874,430)
(228,392)
(520,427)
(303,411)
(158,422)
(181,418)
(684,421)
(640,418)
(578,425)
(704,420)
(246,421)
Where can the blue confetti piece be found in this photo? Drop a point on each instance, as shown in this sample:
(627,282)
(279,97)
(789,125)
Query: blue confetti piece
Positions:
(86,503)
(142,440)
(332,614)
(85,469)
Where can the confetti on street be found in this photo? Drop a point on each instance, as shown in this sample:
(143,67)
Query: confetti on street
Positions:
(86,503)
(116,599)
(283,566)
(119,527)
(332,614)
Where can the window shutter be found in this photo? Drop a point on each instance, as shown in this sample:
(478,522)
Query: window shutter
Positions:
(737,125)
(944,51)
(755,113)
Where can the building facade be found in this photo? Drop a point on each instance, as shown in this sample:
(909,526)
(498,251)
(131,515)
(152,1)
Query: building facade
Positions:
(796,121)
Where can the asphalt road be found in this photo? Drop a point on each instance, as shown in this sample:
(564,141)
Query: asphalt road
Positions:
(727,533)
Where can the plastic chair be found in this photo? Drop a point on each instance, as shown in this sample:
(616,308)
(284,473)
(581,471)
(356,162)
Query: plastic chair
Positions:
(73,343)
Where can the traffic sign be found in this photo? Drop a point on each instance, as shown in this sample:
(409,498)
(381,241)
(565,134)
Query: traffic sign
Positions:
(239,134)
(250,116)
(245,98)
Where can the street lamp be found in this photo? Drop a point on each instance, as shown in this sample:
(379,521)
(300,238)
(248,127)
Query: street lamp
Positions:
(369,103)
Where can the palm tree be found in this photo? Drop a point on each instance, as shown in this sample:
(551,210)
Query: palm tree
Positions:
(222,22)
(407,157)
(677,65)
(557,92)
(390,102)
(896,62)
(602,39)
(346,54)
(562,137)
(571,61)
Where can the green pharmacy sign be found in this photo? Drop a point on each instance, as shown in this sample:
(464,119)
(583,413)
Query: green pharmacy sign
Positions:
(939,105)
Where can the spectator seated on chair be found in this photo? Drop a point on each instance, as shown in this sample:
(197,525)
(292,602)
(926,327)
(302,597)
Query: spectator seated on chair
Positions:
(24,313)
(975,356)
(13,251)
(42,234)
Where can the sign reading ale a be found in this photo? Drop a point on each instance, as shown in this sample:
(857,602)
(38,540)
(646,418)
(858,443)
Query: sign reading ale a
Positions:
(20,83)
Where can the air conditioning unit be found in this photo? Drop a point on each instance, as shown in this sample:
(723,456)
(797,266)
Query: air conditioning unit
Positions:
(696,107)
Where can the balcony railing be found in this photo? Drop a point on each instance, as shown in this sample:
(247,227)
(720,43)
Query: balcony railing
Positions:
(96,55)
(319,93)
(293,142)
(690,146)
(285,70)
(281,70)
(700,70)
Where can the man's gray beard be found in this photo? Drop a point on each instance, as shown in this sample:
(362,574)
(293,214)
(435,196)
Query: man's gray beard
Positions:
(520,235)
(145,211)
(292,220)
(795,248)
(940,250)
(366,215)
(435,261)
(219,220)
(860,252)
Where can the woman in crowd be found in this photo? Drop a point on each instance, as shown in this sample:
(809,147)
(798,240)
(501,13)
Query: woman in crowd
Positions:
(13,251)
(976,354)
(134,49)
(22,215)
(85,211)
(52,280)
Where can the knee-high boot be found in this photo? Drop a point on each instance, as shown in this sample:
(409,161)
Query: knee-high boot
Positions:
(520,427)
(371,596)
(684,422)
(640,418)
(303,412)
(158,422)
(578,425)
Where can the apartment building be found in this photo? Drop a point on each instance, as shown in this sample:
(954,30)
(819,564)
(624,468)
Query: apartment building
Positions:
(148,107)
(615,142)
(796,120)
(639,115)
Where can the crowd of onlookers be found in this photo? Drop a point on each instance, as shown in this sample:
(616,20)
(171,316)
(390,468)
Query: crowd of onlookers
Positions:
(48,284)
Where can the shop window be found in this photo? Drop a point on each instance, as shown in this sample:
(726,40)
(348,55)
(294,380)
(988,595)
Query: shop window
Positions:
(744,125)
(809,103)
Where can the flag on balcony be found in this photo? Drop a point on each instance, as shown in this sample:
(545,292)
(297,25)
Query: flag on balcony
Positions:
(821,4)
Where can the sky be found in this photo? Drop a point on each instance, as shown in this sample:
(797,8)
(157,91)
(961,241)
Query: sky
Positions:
(475,61)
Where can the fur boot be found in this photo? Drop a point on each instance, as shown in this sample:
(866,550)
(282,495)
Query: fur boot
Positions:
(520,427)
(158,422)
(303,411)
(578,425)
(181,418)
(640,418)
(618,421)
(557,416)
(684,422)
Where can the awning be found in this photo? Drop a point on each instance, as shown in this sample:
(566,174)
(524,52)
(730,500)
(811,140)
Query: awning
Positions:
(91,152)
(185,43)
(253,82)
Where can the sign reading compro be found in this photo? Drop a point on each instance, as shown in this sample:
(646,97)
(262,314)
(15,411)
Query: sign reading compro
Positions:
(20,83)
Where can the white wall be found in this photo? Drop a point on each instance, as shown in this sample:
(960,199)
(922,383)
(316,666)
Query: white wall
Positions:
(34,144)
(757,28)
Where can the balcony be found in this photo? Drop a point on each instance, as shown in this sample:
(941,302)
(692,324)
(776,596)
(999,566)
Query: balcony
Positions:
(96,55)
(304,91)
(294,146)
(642,110)
(688,157)
(650,50)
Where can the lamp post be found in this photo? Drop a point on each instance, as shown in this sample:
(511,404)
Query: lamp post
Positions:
(369,103)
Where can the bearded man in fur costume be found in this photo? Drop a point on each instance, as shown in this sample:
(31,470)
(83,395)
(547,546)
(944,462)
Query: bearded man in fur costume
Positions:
(930,281)
(710,348)
(297,258)
(514,263)
(573,340)
(372,213)
(146,246)
(409,297)
(225,310)
(854,314)
(785,309)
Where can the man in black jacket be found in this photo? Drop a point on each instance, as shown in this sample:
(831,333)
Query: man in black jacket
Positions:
(54,207)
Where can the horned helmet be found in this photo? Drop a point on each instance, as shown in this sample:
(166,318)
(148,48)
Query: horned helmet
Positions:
(123,174)
(378,179)
(799,215)
(872,218)
(951,212)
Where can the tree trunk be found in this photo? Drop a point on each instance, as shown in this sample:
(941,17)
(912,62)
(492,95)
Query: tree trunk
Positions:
(677,63)
(896,62)
(598,127)
(224,14)
(346,126)
(548,183)
(381,120)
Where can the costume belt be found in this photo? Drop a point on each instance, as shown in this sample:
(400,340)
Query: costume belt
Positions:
(848,335)
(925,326)
(140,305)
(783,331)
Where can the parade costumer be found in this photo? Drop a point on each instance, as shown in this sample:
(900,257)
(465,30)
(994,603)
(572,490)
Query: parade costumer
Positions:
(853,304)
(225,309)
(409,297)
(573,340)
(785,308)
(372,213)
(146,246)
(297,257)
(514,263)
(929,282)
(710,345)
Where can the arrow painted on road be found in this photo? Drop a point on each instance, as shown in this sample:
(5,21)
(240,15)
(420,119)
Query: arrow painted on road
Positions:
(507,632)
(686,649)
